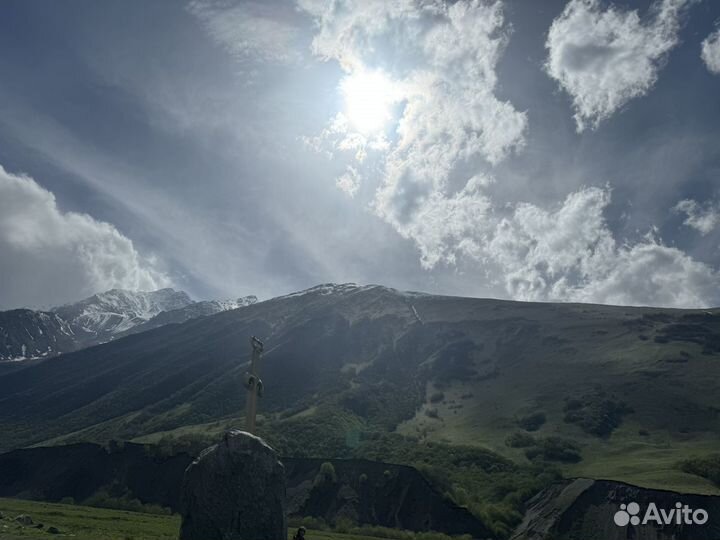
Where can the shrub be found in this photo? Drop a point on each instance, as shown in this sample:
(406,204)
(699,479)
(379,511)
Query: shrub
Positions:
(520,440)
(555,449)
(309,522)
(326,475)
(595,416)
(706,467)
(344,525)
(432,413)
(532,422)
(437,397)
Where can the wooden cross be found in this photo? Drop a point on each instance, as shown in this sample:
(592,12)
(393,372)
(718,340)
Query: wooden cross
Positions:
(254,384)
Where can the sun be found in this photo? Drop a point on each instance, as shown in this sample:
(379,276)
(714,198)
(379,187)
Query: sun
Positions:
(369,96)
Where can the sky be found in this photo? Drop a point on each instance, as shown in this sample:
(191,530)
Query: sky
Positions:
(564,151)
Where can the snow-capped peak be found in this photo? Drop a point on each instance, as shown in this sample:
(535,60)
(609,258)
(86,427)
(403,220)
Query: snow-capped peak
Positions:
(225,305)
(328,288)
(117,310)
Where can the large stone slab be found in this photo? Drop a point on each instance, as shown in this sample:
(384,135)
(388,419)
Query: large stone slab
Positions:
(234,490)
(584,509)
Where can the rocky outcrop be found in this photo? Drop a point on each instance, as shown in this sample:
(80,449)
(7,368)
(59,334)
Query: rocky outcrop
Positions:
(362,492)
(235,490)
(24,520)
(584,509)
(374,493)
(81,470)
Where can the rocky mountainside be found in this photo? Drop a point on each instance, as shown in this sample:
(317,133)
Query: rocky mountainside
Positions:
(361,491)
(103,315)
(368,492)
(191,311)
(26,334)
(588,509)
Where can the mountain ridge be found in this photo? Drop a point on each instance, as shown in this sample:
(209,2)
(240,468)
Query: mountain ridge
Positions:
(30,335)
(600,390)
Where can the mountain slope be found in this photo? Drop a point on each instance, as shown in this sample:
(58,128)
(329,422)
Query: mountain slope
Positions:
(27,334)
(33,334)
(191,311)
(613,392)
(103,315)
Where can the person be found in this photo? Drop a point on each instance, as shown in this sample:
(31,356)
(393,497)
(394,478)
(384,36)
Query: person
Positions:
(300,534)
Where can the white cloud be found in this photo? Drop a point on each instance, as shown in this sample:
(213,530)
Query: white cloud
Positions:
(50,256)
(703,218)
(443,70)
(605,57)
(570,255)
(452,127)
(443,62)
(711,52)
(349,181)
(249,30)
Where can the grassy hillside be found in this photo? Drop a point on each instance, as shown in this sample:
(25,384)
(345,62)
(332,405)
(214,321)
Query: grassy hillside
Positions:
(607,392)
(88,523)
(83,522)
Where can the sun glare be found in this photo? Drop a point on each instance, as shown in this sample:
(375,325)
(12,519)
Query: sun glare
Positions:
(369,96)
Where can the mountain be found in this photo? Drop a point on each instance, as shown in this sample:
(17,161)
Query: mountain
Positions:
(34,334)
(191,311)
(100,317)
(27,334)
(492,396)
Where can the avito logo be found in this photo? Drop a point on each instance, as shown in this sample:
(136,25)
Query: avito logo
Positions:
(629,514)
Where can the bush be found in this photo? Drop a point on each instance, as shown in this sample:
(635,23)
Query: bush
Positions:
(326,475)
(555,449)
(437,397)
(432,413)
(309,522)
(595,416)
(706,467)
(344,525)
(102,499)
(532,422)
(520,440)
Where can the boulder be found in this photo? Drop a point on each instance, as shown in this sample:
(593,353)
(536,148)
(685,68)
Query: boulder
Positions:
(24,520)
(234,490)
(588,509)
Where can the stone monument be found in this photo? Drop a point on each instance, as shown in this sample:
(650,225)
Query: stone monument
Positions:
(235,490)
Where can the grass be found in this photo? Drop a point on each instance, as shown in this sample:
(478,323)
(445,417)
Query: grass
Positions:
(84,523)
(673,414)
(88,523)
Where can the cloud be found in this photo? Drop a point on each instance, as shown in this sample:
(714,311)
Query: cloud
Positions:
(435,184)
(249,30)
(349,181)
(605,57)
(711,52)
(571,255)
(50,256)
(441,60)
(703,218)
